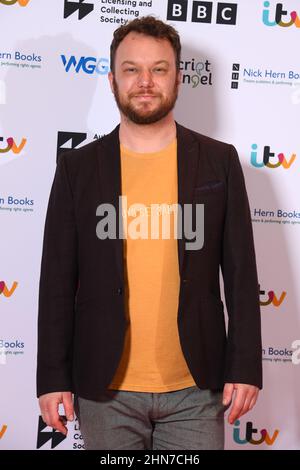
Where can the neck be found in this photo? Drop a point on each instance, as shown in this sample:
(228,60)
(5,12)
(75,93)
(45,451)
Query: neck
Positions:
(144,138)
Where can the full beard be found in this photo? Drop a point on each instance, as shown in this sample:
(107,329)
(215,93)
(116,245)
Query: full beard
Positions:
(143,115)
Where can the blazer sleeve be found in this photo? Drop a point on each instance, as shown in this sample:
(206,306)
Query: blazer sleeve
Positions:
(57,288)
(241,287)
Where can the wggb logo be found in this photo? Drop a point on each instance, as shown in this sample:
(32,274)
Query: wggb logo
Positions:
(202,12)
(88,65)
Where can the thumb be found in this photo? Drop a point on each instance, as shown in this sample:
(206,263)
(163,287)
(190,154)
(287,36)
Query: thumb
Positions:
(227,393)
(68,405)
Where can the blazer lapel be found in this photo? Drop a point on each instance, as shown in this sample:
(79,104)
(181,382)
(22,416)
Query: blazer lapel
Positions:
(109,164)
(187,166)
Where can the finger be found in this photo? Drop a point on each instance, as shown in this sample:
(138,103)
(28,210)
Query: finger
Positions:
(55,423)
(44,412)
(59,425)
(45,417)
(237,406)
(246,406)
(250,398)
(253,401)
(55,420)
(68,405)
(227,393)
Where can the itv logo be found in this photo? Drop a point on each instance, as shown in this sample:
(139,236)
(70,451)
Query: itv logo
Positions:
(279,14)
(272,298)
(3,430)
(5,290)
(22,3)
(12,146)
(280,159)
(264,437)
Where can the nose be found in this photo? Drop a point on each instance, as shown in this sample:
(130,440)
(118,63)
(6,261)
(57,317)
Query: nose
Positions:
(145,79)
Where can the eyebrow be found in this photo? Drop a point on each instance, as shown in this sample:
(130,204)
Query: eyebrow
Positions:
(156,62)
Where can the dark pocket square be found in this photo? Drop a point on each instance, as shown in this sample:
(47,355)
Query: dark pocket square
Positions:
(209,185)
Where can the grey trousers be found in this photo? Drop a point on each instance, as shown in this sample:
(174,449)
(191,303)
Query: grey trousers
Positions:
(190,418)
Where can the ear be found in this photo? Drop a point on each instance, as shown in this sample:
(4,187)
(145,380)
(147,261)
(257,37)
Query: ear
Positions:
(179,77)
(110,78)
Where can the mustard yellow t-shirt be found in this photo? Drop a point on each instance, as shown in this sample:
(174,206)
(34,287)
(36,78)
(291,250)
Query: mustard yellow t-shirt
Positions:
(152,359)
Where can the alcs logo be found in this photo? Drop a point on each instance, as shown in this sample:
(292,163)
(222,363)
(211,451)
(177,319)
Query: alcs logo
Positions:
(54,436)
(267,154)
(84,9)
(272,298)
(86,64)
(5,291)
(250,430)
(280,12)
(11,145)
(22,3)
(67,141)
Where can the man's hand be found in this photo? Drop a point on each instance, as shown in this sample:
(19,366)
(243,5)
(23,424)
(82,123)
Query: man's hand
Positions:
(244,400)
(49,403)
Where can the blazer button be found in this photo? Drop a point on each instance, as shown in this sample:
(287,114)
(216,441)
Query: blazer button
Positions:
(120,290)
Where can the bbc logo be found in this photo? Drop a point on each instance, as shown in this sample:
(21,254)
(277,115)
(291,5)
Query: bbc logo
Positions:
(202,12)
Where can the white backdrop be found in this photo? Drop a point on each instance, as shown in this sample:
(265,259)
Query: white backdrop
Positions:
(241,85)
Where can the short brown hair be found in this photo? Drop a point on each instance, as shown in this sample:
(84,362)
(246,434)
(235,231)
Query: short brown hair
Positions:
(149,26)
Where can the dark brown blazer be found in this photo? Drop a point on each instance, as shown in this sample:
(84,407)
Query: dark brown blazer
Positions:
(81,320)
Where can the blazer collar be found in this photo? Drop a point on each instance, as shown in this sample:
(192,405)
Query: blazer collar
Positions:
(110,175)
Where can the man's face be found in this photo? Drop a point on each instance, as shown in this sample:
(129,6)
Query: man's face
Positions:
(145,83)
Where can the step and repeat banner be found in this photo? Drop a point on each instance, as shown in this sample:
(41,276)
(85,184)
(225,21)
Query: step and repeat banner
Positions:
(241,84)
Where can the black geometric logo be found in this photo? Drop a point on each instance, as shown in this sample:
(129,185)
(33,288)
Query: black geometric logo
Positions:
(68,141)
(235,75)
(83,8)
(56,437)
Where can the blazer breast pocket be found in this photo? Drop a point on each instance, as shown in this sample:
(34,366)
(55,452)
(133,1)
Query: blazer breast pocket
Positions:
(209,187)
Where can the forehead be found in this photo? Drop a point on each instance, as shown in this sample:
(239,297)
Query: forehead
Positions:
(139,47)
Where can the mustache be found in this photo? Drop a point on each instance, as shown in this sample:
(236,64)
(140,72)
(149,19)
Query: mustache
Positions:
(144,93)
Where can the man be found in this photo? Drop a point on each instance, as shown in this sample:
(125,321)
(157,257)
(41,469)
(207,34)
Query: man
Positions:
(134,325)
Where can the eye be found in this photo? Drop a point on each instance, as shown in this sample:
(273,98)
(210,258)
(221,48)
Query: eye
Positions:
(130,69)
